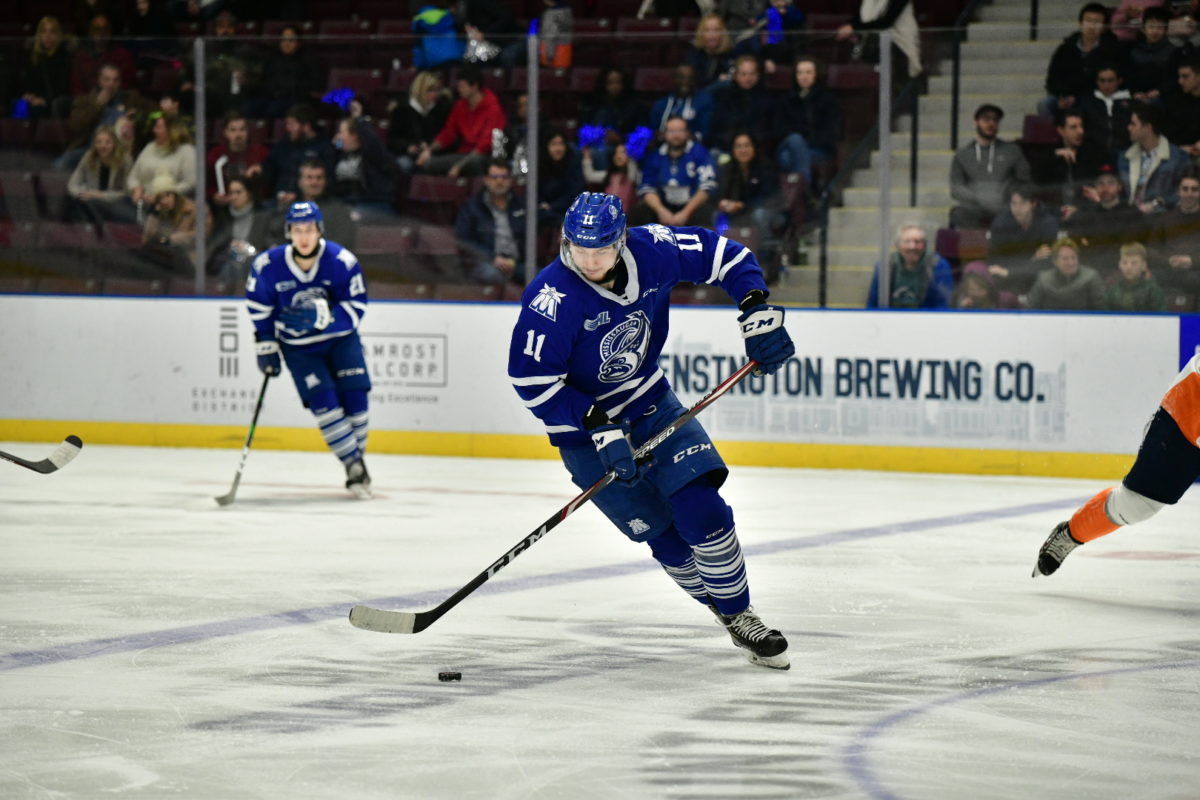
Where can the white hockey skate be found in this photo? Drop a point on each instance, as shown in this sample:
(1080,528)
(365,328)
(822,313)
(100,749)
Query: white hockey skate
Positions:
(1055,550)
(764,646)
(358,481)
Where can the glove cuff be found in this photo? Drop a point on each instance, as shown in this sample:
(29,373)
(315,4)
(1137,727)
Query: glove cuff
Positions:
(324,315)
(603,437)
(754,297)
(266,347)
(760,320)
(595,418)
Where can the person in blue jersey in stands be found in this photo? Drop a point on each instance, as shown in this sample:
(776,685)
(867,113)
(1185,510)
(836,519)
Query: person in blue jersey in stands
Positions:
(584,359)
(306,300)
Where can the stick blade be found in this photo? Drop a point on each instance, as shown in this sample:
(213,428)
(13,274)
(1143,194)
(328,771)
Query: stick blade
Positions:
(66,452)
(224,499)
(380,621)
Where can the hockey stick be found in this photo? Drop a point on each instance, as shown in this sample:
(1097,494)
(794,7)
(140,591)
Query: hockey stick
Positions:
(226,499)
(62,455)
(375,619)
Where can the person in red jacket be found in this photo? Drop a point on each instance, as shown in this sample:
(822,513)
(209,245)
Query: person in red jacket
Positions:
(465,141)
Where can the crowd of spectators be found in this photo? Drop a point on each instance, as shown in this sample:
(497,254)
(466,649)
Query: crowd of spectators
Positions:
(737,109)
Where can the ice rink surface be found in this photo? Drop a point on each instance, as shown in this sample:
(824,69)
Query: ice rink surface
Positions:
(155,646)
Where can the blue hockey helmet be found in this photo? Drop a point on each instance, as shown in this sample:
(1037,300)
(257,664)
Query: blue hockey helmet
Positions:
(594,220)
(306,211)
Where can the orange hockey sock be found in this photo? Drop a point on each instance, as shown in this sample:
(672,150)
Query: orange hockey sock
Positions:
(1090,521)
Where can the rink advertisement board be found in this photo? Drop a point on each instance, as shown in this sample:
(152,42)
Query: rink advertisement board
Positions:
(981,392)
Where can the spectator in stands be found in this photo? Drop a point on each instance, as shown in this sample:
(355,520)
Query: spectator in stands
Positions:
(1128,18)
(1152,166)
(678,181)
(239,231)
(496,23)
(46,74)
(467,138)
(560,179)
(169,234)
(748,195)
(98,184)
(982,172)
(96,50)
(300,144)
(739,105)
(169,153)
(235,156)
(291,74)
(613,106)
(413,124)
(782,27)
(150,33)
(362,172)
(232,68)
(1020,239)
(711,54)
(809,122)
(1151,57)
(895,16)
(1072,72)
(105,105)
(917,277)
(620,179)
(694,106)
(85,10)
(516,135)
(1103,225)
(1135,288)
(313,186)
(976,290)
(1106,113)
(490,228)
(1175,247)
(439,41)
(1068,285)
(740,18)
(1182,124)
(1064,173)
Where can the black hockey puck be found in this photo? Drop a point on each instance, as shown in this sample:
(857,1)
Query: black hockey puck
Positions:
(446,677)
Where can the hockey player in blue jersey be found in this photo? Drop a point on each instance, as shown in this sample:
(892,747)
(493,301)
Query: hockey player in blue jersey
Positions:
(584,359)
(307,299)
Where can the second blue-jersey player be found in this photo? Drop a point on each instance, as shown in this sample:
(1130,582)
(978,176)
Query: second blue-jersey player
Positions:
(307,299)
(584,359)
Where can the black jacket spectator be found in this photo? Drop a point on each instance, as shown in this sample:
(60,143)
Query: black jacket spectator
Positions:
(612,104)
(1072,72)
(1016,248)
(817,117)
(363,169)
(414,120)
(299,144)
(742,104)
(560,179)
(291,74)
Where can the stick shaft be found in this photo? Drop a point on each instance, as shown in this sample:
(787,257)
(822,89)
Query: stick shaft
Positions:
(407,622)
(226,499)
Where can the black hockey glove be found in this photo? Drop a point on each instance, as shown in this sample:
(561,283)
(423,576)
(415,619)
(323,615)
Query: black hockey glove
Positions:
(268,357)
(767,341)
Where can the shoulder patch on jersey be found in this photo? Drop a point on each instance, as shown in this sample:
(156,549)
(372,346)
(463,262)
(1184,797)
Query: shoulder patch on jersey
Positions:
(661,233)
(347,258)
(546,301)
(262,260)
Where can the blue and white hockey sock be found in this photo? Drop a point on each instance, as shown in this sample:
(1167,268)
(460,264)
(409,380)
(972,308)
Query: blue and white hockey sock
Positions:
(723,571)
(706,523)
(339,434)
(674,555)
(355,405)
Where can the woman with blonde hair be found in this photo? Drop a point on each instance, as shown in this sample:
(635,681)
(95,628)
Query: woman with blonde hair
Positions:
(46,75)
(414,123)
(711,54)
(98,184)
(170,152)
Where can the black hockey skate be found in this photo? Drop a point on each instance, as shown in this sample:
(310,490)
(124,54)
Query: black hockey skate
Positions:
(764,646)
(358,480)
(1055,550)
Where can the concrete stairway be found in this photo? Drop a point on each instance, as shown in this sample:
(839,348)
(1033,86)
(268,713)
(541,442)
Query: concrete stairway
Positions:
(1000,65)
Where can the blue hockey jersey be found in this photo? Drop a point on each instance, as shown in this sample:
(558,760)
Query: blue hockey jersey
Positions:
(676,180)
(276,282)
(576,344)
